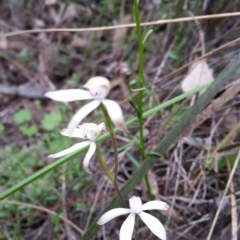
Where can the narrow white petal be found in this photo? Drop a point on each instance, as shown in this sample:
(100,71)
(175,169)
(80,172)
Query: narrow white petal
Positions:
(77,132)
(74,148)
(127,227)
(106,217)
(102,126)
(159,205)
(88,156)
(69,95)
(81,114)
(154,225)
(115,113)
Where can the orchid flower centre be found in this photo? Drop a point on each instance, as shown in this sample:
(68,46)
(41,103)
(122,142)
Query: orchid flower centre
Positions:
(88,131)
(135,205)
(137,208)
(98,93)
(97,90)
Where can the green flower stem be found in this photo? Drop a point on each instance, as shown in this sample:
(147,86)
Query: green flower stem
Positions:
(114,143)
(140,93)
(103,164)
(136,229)
(102,138)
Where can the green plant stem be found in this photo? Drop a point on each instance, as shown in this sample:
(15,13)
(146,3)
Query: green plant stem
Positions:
(114,143)
(103,164)
(140,93)
(136,229)
(103,137)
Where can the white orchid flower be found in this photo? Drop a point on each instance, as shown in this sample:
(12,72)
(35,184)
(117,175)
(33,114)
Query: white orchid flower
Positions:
(89,131)
(97,89)
(137,208)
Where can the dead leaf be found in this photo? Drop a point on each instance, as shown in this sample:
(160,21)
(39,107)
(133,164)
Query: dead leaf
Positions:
(3,43)
(231,119)
(50,2)
(79,42)
(120,81)
(70,12)
(199,74)
(38,23)
(120,33)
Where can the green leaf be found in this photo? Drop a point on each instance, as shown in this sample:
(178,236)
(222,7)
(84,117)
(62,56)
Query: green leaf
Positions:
(133,82)
(174,56)
(133,159)
(73,80)
(81,206)
(2,128)
(51,121)
(22,116)
(29,130)
(149,32)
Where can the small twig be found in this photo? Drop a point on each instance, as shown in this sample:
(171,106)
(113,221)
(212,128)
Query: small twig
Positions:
(22,91)
(163,21)
(233,206)
(223,197)
(96,199)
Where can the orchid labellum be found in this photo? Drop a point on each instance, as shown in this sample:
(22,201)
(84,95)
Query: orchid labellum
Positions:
(97,90)
(89,131)
(137,208)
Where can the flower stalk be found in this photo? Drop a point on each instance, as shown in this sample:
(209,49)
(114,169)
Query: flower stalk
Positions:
(103,164)
(114,143)
(140,93)
(136,229)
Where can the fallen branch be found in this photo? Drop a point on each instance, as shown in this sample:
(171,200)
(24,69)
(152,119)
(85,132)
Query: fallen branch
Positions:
(22,91)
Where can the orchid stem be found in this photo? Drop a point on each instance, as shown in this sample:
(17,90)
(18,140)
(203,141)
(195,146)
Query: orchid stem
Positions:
(103,164)
(114,143)
(136,228)
(140,93)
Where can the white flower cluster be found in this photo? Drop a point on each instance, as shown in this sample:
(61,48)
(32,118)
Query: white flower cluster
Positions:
(97,89)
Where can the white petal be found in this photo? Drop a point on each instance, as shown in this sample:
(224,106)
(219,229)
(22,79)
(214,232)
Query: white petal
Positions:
(115,113)
(74,148)
(106,217)
(127,227)
(102,127)
(77,132)
(69,95)
(81,114)
(159,205)
(88,156)
(154,225)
